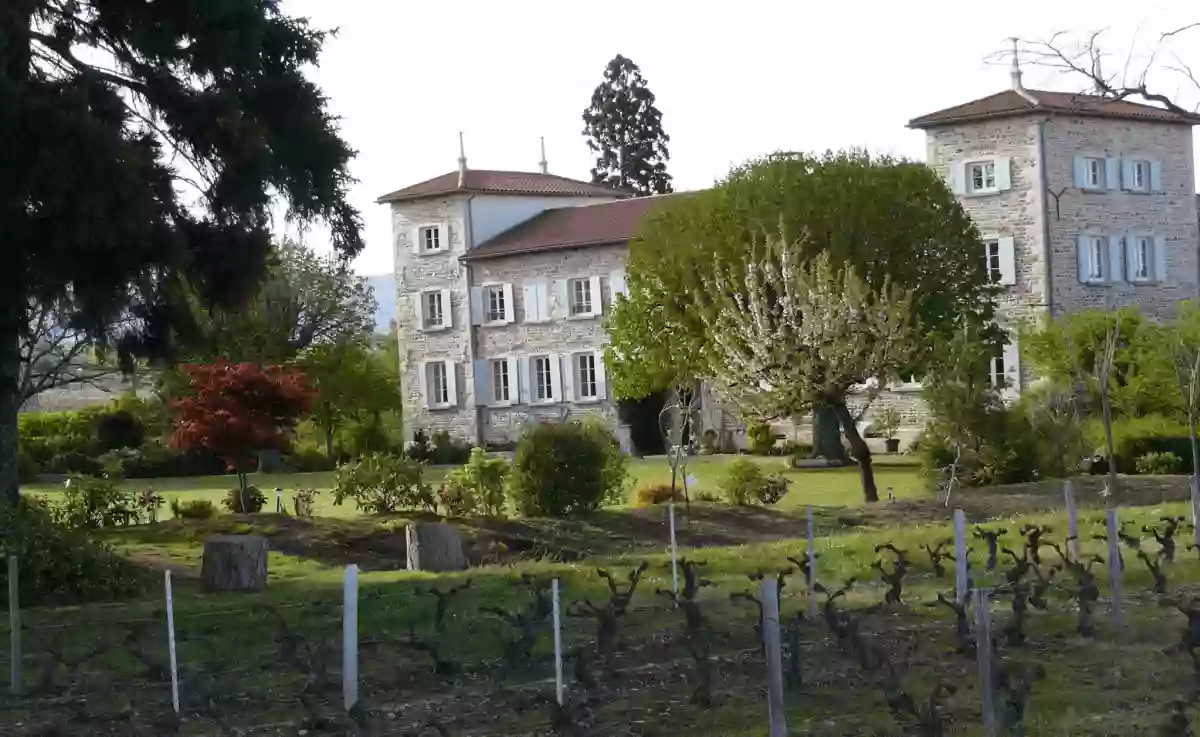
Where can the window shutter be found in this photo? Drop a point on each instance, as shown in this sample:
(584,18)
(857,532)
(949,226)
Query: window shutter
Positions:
(451,383)
(597,298)
(415,236)
(1008,261)
(1160,258)
(418,303)
(510,309)
(1112,173)
(444,236)
(1127,174)
(560,308)
(556,382)
(1003,173)
(476,305)
(523,382)
(568,377)
(1081,172)
(601,379)
(958,177)
(543,300)
(516,387)
(447,310)
(1131,255)
(529,302)
(1083,256)
(1115,252)
(1156,184)
(483,384)
(616,286)
(1012,366)
(423,383)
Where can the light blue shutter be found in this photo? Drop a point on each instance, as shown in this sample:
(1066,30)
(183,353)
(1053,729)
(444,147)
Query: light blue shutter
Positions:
(510,309)
(958,177)
(423,383)
(483,385)
(523,382)
(561,307)
(529,302)
(543,300)
(451,383)
(1156,184)
(1160,258)
(1127,174)
(556,380)
(1008,261)
(1131,256)
(1081,172)
(1112,173)
(515,387)
(476,305)
(597,298)
(447,310)
(1003,166)
(418,305)
(616,286)
(1115,252)
(568,377)
(1084,257)
(601,379)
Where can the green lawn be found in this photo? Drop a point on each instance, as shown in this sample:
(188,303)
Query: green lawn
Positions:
(823,487)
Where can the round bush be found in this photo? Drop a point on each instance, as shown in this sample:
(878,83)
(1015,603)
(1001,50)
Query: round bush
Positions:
(119,429)
(1161,464)
(193,509)
(383,484)
(250,502)
(568,468)
(651,494)
(746,483)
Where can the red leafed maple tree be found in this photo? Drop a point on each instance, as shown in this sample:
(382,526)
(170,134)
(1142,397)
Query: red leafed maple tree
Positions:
(235,410)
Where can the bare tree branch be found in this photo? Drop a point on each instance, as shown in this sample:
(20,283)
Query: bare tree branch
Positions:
(56,354)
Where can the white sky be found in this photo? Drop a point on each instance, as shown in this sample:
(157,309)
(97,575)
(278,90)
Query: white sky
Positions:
(406,76)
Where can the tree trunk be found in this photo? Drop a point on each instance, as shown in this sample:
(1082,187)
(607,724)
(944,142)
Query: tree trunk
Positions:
(1108,442)
(10,403)
(329,442)
(1195,443)
(434,547)
(242,485)
(827,441)
(861,452)
(234,563)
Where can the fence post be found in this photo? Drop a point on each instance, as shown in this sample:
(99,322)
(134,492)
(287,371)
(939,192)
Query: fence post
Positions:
(558,660)
(774,651)
(1194,484)
(278,500)
(1072,518)
(14,624)
(1114,567)
(171,641)
(350,637)
(812,566)
(674,553)
(960,555)
(983,651)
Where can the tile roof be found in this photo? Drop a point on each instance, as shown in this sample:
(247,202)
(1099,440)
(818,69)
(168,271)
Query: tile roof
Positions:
(485,181)
(1010,103)
(570,227)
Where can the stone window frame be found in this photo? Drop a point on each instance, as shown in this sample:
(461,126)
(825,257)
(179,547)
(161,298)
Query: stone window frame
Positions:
(575,309)
(439,393)
(443,298)
(970,176)
(1136,166)
(493,295)
(1095,172)
(439,232)
(578,379)
(536,379)
(500,379)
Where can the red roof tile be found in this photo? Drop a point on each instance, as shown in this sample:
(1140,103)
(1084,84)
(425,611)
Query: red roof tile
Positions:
(570,227)
(1011,103)
(484,181)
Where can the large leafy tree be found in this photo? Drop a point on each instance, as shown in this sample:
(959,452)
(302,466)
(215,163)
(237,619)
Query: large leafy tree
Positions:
(144,144)
(353,383)
(306,300)
(624,129)
(891,221)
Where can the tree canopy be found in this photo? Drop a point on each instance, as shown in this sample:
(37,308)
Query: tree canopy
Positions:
(624,129)
(144,146)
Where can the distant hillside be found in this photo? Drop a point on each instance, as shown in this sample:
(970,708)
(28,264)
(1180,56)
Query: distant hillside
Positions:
(385,295)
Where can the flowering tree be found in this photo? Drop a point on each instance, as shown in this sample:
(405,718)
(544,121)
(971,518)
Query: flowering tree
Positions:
(789,334)
(235,410)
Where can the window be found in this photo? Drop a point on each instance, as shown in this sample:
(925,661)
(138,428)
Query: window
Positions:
(1139,175)
(998,374)
(500,382)
(1094,171)
(430,238)
(585,386)
(1095,266)
(543,379)
(435,312)
(439,384)
(496,307)
(995,273)
(1140,258)
(982,175)
(581,296)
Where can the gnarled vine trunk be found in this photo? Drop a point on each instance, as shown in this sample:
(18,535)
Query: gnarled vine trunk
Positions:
(859,448)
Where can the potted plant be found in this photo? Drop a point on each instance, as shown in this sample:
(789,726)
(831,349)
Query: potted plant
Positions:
(888,423)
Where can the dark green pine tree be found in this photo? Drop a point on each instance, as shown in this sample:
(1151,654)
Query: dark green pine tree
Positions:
(141,147)
(625,130)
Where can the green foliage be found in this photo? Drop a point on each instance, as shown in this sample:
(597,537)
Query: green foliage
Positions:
(193,509)
(887,423)
(708,442)
(383,484)
(760,437)
(1134,437)
(648,352)
(90,502)
(647,495)
(248,501)
(566,469)
(59,565)
(442,449)
(354,385)
(478,487)
(624,129)
(1159,463)
(304,502)
(119,429)
(154,460)
(745,483)
(149,502)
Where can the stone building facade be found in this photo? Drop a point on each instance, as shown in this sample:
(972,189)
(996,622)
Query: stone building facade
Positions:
(504,278)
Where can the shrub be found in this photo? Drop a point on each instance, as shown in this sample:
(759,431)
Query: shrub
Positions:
(651,494)
(383,484)
(446,450)
(477,487)
(568,468)
(149,502)
(888,423)
(1134,437)
(760,438)
(119,429)
(193,509)
(1161,464)
(304,502)
(310,460)
(60,565)
(92,503)
(155,461)
(708,442)
(745,483)
(796,449)
(249,502)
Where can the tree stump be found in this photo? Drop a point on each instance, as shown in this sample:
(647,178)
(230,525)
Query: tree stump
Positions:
(234,563)
(434,547)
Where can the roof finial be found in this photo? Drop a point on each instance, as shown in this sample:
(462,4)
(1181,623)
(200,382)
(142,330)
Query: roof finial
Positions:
(462,162)
(1016,66)
(542,165)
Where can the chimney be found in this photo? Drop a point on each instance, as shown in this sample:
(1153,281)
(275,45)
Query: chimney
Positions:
(1017,85)
(462,163)
(543,167)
